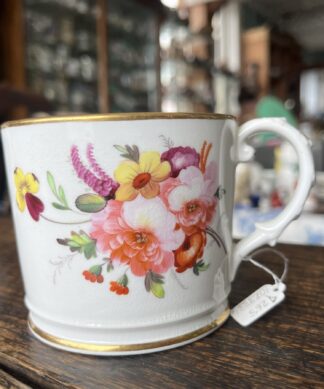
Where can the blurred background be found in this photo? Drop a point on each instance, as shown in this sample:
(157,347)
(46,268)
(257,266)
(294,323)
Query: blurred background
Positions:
(249,58)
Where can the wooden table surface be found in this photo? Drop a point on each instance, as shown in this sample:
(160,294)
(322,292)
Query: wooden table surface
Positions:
(282,350)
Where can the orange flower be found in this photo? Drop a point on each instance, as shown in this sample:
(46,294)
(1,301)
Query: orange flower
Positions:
(190,251)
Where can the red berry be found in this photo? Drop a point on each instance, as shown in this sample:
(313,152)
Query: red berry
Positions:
(126,290)
(100,279)
(113,286)
(93,278)
(119,291)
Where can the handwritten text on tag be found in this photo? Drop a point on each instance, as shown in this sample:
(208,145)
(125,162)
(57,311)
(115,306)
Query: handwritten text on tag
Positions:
(258,303)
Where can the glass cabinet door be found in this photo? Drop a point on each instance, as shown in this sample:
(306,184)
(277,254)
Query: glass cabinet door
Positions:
(61,52)
(133,55)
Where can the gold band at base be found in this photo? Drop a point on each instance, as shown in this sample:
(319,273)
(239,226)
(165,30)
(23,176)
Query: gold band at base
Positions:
(110,348)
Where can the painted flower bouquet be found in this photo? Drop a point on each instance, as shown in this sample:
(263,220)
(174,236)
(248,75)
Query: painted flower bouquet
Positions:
(154,215)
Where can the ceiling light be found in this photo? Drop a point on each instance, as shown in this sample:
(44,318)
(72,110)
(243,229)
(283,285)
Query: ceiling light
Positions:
(170,3)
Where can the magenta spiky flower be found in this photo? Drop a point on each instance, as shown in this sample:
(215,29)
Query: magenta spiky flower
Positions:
(100,182)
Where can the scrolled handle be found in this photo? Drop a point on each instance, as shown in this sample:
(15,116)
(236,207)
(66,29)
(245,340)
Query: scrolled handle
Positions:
(268,232)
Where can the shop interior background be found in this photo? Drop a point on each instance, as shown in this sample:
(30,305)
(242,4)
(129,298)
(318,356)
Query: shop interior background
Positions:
(249,58)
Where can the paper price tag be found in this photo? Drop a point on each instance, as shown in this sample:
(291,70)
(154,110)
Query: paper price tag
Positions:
(258,303)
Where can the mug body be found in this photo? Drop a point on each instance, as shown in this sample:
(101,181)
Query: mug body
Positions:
(123,226)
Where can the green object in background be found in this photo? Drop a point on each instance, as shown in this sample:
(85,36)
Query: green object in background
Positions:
(269,107)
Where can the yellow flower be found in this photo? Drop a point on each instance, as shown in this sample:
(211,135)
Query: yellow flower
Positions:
(142,177)
(24,184)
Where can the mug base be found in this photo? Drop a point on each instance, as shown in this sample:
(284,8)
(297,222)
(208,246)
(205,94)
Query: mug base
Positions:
(101,349)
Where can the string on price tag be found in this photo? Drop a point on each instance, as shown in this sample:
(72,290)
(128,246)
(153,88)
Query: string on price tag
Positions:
(265,298)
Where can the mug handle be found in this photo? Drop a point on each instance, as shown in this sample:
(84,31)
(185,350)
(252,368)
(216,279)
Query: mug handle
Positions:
(268,232)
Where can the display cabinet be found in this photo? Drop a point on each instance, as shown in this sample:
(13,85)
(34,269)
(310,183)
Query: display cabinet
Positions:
(186,67)
(133,65)
(85,55)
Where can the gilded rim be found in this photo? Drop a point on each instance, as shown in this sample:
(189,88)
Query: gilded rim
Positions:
(102,348)
(116,117)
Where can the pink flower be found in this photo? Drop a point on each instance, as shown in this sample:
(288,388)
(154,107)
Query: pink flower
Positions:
(180,158)
(140,233)
(191,197)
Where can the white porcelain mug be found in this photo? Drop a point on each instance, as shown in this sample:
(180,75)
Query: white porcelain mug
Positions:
(123,224)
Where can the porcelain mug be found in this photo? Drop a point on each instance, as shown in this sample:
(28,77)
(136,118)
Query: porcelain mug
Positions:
(123,224)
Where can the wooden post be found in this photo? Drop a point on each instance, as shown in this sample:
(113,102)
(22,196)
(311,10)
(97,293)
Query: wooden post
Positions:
(13,49)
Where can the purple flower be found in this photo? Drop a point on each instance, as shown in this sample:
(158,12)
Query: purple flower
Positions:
(180,158)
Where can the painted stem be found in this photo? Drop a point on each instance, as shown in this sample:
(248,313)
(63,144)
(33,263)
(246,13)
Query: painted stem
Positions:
(64,223)
(214,237)
(214,234)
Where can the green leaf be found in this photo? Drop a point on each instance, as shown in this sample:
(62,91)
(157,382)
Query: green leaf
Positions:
(89,250)
(73,244)
(148,281)
(51,183)
(132,153)
(80,238)
(136,152)
(64,242)
(110,267)
(59,194)
(157,289)
(62,197)
(59,206)
(220,192)
(123,280)
(196,271)
(152,279)
(200,266)
(121,149)
(82,243)
(129,152)
(158,278)
(203,266)
(96,269)
(90,203)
